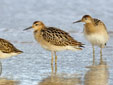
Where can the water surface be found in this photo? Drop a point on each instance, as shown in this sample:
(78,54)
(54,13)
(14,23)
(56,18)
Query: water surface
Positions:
(33,67)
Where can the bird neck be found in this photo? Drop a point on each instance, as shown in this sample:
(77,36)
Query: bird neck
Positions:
(90,28)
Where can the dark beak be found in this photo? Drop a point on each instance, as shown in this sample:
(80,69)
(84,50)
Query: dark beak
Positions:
(28,28)
(77,21)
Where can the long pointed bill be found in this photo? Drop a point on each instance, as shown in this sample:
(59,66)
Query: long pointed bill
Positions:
(77,21)
(28,28)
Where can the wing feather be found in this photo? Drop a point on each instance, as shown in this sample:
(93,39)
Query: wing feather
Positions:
(7,47)
(58,37)
(97,22)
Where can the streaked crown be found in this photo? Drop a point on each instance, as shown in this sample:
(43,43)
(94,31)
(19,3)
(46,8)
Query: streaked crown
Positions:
(87,19)
(38,25)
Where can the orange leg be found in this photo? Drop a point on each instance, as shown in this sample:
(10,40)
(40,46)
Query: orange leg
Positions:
(0,68)
(93,55)
(101,59)
(51,57)
(55,58)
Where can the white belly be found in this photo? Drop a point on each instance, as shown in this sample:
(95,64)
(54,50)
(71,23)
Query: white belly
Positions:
(7,55)
(97,39)
(59,48)
(51,47)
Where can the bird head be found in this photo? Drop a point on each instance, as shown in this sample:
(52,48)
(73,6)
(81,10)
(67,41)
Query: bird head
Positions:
(85,18)
(37,25)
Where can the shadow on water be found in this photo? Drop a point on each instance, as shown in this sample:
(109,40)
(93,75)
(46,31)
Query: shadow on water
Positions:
(97,74)
(61,79)
(5,81)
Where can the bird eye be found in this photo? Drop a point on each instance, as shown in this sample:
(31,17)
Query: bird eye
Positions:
(36,24)
(85,18)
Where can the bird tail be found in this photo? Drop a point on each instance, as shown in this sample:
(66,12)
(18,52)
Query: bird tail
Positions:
(74,47)
(18,51)
(79,45)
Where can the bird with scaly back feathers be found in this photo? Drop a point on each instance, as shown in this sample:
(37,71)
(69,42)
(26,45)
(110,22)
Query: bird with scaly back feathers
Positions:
(58,37)
(54,39)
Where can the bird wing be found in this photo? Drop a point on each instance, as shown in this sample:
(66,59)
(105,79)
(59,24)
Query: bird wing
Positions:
(7,47)
(97,22)
(58,37)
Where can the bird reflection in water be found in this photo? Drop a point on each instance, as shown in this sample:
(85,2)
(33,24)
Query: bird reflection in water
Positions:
(5,81)
(97,74)
(61,79)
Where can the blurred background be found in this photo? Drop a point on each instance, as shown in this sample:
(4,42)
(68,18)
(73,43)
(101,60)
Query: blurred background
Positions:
(33,66)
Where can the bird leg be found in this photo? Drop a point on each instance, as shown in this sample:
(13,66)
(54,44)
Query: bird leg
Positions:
(0,68)
(55,58)
(52,68)
(55,68)
(51,57)
(52,72)
(52,61)
(101,59)
(93,54)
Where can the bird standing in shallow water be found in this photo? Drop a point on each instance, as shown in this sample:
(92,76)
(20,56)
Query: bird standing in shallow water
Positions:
(95,32)
(7,50)
(54,39)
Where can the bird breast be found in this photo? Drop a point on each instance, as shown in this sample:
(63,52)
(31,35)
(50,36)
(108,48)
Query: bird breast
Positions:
(99,36)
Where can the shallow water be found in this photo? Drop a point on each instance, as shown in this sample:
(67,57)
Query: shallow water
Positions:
(33,67)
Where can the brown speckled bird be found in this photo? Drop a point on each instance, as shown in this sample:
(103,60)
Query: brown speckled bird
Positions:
(95,32)
(54,39)
(7,50)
